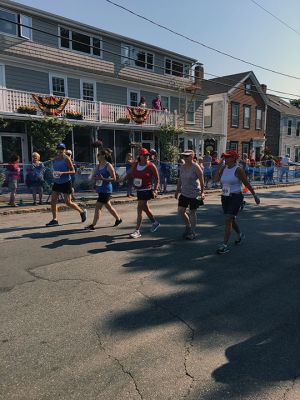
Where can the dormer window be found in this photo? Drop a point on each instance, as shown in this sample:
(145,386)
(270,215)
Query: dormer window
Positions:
(80,42)
(176,68)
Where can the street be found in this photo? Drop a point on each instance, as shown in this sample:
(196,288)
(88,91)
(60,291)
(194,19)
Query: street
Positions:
(97,315)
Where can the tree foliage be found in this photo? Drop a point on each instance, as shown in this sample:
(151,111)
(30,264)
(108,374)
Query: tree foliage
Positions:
(46,133)
(3,123)
(169,142)
(295,102)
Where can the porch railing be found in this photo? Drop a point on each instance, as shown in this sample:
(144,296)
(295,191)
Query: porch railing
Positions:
(11,100)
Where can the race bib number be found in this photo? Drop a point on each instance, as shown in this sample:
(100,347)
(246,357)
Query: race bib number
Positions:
(56,174)
(99,183)
(137,182)
(226,190)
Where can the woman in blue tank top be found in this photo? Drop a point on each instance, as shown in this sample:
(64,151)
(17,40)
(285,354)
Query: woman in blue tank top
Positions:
(62,170)
(104,175)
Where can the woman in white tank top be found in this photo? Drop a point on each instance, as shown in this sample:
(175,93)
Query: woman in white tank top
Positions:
(232,176)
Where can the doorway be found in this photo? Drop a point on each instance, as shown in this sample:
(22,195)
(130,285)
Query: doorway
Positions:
(13,144)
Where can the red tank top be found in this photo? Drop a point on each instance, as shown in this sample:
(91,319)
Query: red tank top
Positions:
(142,179)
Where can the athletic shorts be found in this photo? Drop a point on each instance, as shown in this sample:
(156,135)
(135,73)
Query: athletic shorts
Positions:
(232,204)
(65,188)
(103,197)
(186,202)
(145,194)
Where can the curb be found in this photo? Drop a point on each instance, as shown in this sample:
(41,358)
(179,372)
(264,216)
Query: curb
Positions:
(61,208)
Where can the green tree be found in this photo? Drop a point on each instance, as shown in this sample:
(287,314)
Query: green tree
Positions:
(46,133)
(295,102)
(3,123)
(169,142)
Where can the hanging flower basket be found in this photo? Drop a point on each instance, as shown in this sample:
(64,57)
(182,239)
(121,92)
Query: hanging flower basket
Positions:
(27,110)
(74,115)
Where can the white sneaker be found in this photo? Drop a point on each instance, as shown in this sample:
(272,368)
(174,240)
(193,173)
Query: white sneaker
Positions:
(135,235)
(155,226)
(223,249)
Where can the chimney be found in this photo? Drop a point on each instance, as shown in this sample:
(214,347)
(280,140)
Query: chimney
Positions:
(199,74)
(264,88)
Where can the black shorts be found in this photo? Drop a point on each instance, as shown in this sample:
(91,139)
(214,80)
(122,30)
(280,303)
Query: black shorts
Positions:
(145,194)
(103,197)
(65,188)
(189,202)
(232,204)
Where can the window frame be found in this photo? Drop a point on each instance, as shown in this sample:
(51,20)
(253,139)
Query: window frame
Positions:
(169,101)
(235,144)
(55,75)
(82,81)
(2,72)
(15,23)
(131,58)
(256,119)
(28,26)
(298,128)
(248,92)
(138,92)
(248,147)
(246,107)
(288,151)
(189,104)
(289,128)
(234,103)
(70,48)
(185,74)
(211,115)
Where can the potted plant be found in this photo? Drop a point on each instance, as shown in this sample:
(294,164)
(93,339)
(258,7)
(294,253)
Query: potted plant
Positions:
(27,110)
(124,120)
(74,115)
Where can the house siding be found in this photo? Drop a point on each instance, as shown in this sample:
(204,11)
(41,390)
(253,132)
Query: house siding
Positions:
(44,32)
(111,93)
(74,88)
(26,79)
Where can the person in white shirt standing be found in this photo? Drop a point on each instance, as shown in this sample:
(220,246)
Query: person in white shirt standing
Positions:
(232,176)
(284,168)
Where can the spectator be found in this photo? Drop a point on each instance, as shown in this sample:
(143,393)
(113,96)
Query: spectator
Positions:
(164,172)
(13,176)
(142,102)
(284,168)
(128,165)
(156,103)
(207,168)
(70,154)
(35,178)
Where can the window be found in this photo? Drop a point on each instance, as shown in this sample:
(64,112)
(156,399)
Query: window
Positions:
(25,27)
(8,22)
(289,130)
(165,101)
(208,115)
(298,128)
(233,146)
(258,119)
(247,116)
(297,154)
(248,88)
(245,148)
(137,57)
(235,113)
(190,112)
(88,91)
(80,42)
(176,68)
(58,86)
(133,98)
(288,151)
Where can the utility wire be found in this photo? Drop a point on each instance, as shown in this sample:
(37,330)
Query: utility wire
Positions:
(120,64)
(274,16)
(200,43)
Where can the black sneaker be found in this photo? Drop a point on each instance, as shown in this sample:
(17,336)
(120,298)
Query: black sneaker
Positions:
(240,239)
(118,222)
(83,215)
(90,227)
(53,222)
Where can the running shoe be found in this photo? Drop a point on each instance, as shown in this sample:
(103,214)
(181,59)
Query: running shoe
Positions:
(241,239)
(155,226)
(190,235)
(118,222)
(223,249)
(53,222)
(135,235)
(90,227)
(83,215)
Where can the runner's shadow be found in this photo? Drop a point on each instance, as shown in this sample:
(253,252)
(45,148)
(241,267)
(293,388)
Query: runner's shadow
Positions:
(83,240)
(132,244)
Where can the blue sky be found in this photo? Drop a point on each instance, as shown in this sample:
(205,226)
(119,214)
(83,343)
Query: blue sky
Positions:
(237,27)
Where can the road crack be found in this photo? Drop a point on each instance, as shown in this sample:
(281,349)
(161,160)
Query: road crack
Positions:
(123,368)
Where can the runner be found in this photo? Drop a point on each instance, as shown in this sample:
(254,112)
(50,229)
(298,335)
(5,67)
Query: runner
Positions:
(62,170)
(232,176)
(104,175)
(191,186)
(142,173)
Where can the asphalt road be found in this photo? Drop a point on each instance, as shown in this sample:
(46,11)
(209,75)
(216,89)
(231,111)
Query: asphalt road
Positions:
(96,315)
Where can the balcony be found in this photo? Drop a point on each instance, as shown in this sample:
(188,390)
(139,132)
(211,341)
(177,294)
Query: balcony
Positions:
(92,111)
